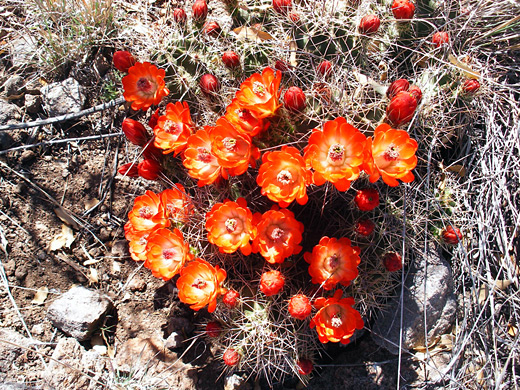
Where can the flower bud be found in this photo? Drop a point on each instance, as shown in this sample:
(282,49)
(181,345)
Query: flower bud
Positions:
(403,9)
(294,17)
(369,24)
(401,108)
(135,132)
(367,199)
(416,92)
(152,122)
(294,99)
(396,87)
(231,60)
(200,11)
(324,68)
(209,84)
(129,170)
(231,357)
(365,227)
(152,152)
(271,282)
(305,366)
(212,29)
(451,236)
(230,298)
(149,169)
(123,60)
(282,6)
(282,66)
(392,262)
(300,307)
(180,17)
(470,86)
(440,38)
(213,329)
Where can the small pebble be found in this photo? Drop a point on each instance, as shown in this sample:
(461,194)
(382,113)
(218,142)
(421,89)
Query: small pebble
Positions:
(27,156)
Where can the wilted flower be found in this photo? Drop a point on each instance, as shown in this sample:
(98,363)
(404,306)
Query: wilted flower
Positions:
(199,160)
(305,366)
(336,320)
(144,85)
(149,169)
(403,9)
(401,108)
(271,282)
(200,284)
(294,99)
(213,329)
(129,169)
(367,199)
(391,155)
(369,24)
(365,227)
(294,17)
(173,128)
(333,261)
(123,60)
(300,306)
(212,29)
(392,262)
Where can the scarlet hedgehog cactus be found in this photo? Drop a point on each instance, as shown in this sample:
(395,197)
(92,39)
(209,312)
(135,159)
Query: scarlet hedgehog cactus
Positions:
(470,86)
(282,6)
(365,227)
(135,132)
(401,108)
(401,85)
(230,298)
(324,68)
(180,17)
(144,86)
(305,366)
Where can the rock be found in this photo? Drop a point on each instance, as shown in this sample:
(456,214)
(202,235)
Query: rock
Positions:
(14,85)
(137,284)
(71,367)
(33,103)
(9,113)
(6,141)
(78,312)
(175,340)
(120,249)
(23,50)
(236,382)
(14,386)
(65,97)
(437,299)
(10,267)
(11,350)
(27,156)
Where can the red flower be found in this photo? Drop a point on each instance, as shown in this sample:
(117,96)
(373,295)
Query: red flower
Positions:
(294,17)
(212,29)
(148,213)
(416,92)
(403,9)
(230,226)
(200,11)
(336,153)
(180,17)
(123,60)
(392,262)
(369,24)
(200,284)
(325,68)
(149,169)
(401,85)
(230,298)
(144,85)
(336,320)
(470,86)
(260,93)
(365,227)
(177,204)
(152,122)
(199,160)
(391,155)
(333,261)
(278,235)
(213,329)
(284,177)
(282,6)
(173,128)
(129,170)
(231,59)
(305,366)
(401,108)
(300,307)
(135,132)
(166,253)
(440,38)
(451,235)
(367,199)
(294,99)
(231,357)
(271,282)
(209,84)
(245,120)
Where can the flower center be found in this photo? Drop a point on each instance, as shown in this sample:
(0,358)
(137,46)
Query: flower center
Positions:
(231,225)
(284,177)
(258,88)
(244,114)
(333,262)
(336,320)
(146,212)
(199,283)
(277,234)
(336,152)
(203,155)
(144,85)
(169,254)
(391,153)
(171,127)
(229,143)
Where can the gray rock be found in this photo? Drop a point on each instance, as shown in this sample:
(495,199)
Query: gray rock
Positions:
(427,289)
(235,382)
(27,156)
(33,103)
(9,113)
(11,349)
(14,85)
(78,312)
(6,141)
(175,340)
(120,249)
(23,50)
(65,97)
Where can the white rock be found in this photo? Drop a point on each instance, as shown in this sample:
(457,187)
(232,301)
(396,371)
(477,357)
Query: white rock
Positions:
(65,97)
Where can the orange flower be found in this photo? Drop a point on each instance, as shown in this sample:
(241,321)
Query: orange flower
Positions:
(260,93)
(300,306)
(390,154)
(278,236)
(166,253)
(137,241)
(200,284)
(144,85)
(230,226)
(283,176)
(244,119)
(335,153)
(333,261)
(148,213)
(336,320)
(232,149)
(199,160)
(271,282)
(177,203)
(174,128)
